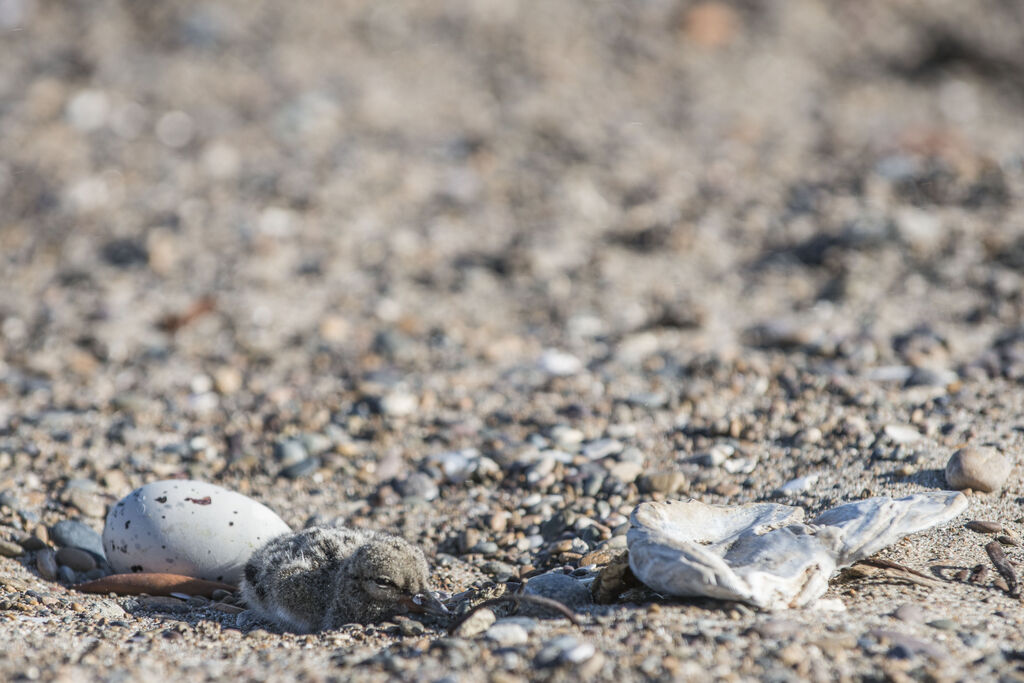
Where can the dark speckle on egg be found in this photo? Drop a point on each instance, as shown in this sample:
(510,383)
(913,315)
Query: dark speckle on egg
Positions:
(137,568)
(162,499)
(127,524)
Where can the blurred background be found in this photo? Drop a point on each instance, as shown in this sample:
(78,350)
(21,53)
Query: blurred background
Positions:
(230,205)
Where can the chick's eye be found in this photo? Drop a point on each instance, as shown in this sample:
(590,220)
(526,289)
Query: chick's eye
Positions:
(384,583)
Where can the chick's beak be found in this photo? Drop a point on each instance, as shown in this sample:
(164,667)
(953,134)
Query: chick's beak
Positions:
(427,602)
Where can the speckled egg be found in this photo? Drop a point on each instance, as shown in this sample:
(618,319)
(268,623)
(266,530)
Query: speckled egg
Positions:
(187,527)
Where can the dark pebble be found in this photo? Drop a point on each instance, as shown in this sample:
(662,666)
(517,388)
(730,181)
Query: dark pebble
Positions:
(301,469)
(69,533)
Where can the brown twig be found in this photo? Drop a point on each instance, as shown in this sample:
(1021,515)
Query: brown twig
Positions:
(516,599)
(889,564)
(1003,566)
(173,322)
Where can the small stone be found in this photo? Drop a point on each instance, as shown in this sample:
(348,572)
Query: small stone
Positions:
(78,560)
(399,404)
(227,380)
(301,469)
(70,533)
(66,575)
(559,363)
(984,527)
(11,549)
(418,486)
(480,621)
(777,629)
(87,502)
(498,521)
(555,586)
(978,468)
(46,563)
(506,634)
(910,613)
(798,485)
(625,471)
(410,627)
(163,603)
(598,557)
(602,448)
(662,482)
(902,433)
(564,649)
(289,452)
(943,624)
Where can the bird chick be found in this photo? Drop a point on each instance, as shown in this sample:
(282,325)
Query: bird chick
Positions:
(324,577)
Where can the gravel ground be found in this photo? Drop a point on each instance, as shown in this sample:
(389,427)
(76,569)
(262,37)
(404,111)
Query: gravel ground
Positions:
(487,274)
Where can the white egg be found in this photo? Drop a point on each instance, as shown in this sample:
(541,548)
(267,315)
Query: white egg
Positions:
(187,527)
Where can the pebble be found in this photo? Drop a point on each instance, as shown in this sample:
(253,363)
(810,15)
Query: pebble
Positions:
(662,482)
(507,634)
(10,549)
(559,363)
(480,621)
(418,486)
(66,575)
(943,624)
(46,563)
(564,649)
(87,502)
(290,452)
(910,613)
(602,448)
(399,404)
(902,433)
(301,469)
(71,533)
(456,466)
(625,471)
(979,468)
(777,629)
(984,527)
(799,485)
(76,559)
(556,586)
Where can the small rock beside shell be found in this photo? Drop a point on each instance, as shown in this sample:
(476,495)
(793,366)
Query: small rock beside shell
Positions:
(979,468)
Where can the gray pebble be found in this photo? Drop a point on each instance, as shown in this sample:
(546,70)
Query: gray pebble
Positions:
(602,448)
(478,623)
(417,486)
(75,559)
(10,549)
(662,482)
(70,533)
(290,452)
(555,586)
(46,563)
(301,469)
(909,612)
(978,468)
(506,634)
(66,575)
(564,649)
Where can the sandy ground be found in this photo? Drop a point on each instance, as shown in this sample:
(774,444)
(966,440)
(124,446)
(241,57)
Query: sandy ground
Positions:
(774,228)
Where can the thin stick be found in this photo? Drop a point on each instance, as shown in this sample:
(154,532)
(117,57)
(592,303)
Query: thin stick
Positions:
(1003,566)
(516,599)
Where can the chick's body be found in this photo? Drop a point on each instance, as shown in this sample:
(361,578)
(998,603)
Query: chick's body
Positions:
(323,577)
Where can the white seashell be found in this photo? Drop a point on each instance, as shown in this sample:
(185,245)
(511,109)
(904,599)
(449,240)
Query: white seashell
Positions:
(763,553)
